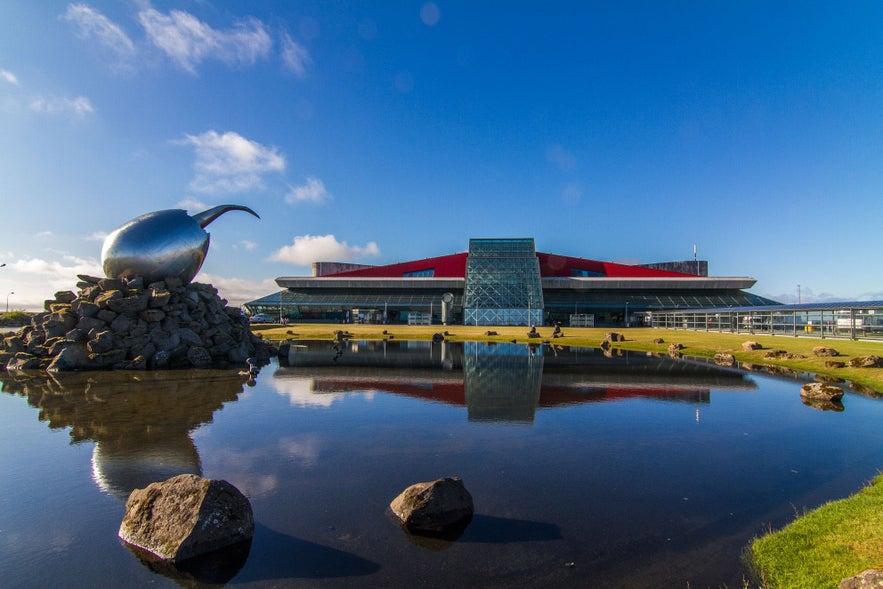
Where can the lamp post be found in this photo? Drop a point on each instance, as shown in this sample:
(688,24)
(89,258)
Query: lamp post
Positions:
(7,301)
(626,313)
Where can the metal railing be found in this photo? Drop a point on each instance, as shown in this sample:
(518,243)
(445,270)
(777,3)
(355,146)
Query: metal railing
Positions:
(844,321)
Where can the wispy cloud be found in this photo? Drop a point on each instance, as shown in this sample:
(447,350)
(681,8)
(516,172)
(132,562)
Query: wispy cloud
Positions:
(430,14)
(188,41)
(91,24)
(294,56)
(78,107)
(307,249)
(560,157)
(8,76)
(572,193)
(228,162)
(97,236)
(313,192)
(247,245)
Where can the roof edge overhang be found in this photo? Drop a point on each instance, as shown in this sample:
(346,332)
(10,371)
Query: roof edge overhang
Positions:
(572,283)
(369,282)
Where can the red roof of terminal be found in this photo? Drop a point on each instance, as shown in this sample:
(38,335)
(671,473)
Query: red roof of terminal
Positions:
(551,266)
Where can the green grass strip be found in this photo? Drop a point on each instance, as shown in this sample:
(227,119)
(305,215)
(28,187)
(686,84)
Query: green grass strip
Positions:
(819,549)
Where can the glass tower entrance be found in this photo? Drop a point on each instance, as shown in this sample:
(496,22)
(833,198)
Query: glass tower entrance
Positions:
(502,283)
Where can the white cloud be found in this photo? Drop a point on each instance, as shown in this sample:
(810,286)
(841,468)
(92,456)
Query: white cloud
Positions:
(230,162)
(8,76)
(313,191)
(43,234)
(97,236)
(188,41)
(238,291)
(191,205)
(307,249)
(39,279)
(294,56)
(247,245)
(79,106)
(92,24)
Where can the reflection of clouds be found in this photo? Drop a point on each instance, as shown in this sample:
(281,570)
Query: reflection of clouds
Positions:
(243,469)
(301,392)
(302,449)
(246,470)
(254,485)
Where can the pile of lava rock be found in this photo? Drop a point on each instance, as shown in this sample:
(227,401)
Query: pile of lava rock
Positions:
(127,325)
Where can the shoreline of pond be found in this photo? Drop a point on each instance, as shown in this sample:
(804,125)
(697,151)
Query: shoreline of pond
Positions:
(868,381)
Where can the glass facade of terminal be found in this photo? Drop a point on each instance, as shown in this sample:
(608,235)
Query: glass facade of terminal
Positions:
(503,284)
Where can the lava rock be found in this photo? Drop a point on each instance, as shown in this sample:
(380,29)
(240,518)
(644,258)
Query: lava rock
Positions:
(433,506)
(186,516)
(722,359)
(825,351)
(125,324)
(819,390)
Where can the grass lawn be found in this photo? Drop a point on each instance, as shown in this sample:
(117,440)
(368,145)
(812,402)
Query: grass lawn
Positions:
(819,549)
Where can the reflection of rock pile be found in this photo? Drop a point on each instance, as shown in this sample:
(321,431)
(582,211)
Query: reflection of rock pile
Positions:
(140,422)
(126,325)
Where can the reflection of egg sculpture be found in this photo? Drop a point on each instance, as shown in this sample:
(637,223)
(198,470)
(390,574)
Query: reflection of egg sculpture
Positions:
(161,244)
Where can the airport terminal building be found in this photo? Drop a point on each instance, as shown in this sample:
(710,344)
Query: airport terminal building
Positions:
(501,282)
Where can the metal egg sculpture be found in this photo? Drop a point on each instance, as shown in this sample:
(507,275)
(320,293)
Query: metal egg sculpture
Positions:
(161,244)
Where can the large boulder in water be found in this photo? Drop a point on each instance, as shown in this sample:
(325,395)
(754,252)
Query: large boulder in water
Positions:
(186,516)
(433,506)
(821,391)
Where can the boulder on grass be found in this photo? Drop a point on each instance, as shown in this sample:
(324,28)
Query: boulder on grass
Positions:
(722,359)
(865,362)
(674,350)
(825,351)
(433,506)
(751,345)
(186,516)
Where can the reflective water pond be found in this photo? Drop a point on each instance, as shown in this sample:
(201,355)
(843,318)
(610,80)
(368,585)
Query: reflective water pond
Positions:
(585,470)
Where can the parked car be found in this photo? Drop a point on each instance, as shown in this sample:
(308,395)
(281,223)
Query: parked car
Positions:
(261,318)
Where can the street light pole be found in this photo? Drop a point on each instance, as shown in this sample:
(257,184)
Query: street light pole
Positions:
(7,301)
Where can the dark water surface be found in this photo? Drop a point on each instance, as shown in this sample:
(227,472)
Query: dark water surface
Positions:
(586,471)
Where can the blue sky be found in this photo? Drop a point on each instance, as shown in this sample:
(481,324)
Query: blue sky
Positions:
(379,132)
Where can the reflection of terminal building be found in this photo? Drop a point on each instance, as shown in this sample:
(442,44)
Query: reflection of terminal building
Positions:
(496,382)
(501,282)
